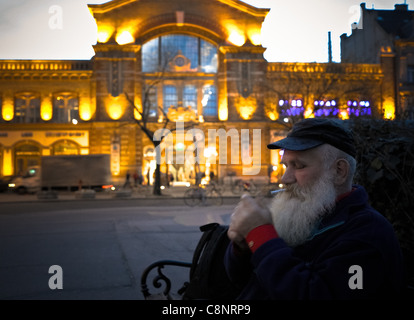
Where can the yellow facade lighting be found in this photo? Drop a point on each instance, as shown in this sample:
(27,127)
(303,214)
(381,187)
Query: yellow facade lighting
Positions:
(115,111)
(46,109)
(7,162)
(115,106)
(85,112)
(104,33)
(343,114)
(124,37)
(246,107)
(308,113)
(223,112)
(7,111)
(389,110)
(273,115)
(236,38)
(255,36)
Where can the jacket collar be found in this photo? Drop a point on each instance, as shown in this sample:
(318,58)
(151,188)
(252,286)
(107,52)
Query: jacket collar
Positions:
(340,214)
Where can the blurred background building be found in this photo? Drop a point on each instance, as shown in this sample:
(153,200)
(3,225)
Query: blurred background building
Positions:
(201,63)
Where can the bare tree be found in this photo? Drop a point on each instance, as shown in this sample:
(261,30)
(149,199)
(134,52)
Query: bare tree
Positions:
(149,127)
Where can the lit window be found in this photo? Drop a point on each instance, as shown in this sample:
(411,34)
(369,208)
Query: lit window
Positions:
(209,100)
(357,108)
(170,97)
(190,97)
(27,108)
(150,102)
(325,108)
(179,53)
(65,108)
(291,108)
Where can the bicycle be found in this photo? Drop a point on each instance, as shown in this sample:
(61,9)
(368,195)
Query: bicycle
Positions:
(203,195)
(241,186)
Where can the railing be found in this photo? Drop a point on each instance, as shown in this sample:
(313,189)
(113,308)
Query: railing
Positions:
(32,65)
(324,67)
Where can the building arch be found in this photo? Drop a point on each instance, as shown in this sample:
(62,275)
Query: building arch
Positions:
(153,30)
(65,147)
(25,154)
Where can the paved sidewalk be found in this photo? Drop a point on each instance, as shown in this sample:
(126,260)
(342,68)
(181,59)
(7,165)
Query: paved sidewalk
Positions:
(135,193)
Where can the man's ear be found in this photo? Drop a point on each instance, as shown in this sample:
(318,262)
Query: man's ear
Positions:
(341,167)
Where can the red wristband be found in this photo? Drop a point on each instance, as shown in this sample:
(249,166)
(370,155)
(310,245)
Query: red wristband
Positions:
(260,235)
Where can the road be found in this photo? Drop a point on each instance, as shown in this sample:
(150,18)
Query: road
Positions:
(102,247)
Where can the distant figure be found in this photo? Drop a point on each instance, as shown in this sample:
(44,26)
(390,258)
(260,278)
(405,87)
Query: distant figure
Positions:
(127,180)
(212,176)
(137,179)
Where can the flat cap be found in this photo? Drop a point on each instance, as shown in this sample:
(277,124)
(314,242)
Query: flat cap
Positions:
(312,132)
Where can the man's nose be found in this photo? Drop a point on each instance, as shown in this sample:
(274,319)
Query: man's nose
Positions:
(288,177)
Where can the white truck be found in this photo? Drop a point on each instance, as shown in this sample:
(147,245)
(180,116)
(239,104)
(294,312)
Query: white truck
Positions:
(65,172)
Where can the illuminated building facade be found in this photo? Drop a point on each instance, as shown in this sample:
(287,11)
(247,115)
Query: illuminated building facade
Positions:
(386,37)
(198,62)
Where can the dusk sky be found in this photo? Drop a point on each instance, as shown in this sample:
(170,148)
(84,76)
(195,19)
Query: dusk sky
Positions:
(293,31)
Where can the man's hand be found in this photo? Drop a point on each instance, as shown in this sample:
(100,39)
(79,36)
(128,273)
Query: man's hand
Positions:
(247,215)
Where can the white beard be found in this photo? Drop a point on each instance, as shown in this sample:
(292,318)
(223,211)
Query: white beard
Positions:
(297,211)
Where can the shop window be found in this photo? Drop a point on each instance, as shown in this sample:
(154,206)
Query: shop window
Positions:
(64,148)
(26,155)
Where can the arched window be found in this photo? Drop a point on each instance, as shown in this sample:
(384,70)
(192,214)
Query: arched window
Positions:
(27,108)
(65,147)
(189,67)
(26,155)
(65,107)
(179,53)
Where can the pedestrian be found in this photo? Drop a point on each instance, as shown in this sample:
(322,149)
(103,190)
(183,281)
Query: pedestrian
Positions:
(127,180)
(319,238)
(136,179)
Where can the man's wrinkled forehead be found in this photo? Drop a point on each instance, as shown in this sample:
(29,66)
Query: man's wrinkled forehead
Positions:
(313,154)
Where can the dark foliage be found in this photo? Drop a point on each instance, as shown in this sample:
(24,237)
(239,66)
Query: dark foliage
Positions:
(386,169)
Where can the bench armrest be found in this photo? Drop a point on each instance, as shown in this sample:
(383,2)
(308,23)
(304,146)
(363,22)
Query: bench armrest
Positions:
(159,277)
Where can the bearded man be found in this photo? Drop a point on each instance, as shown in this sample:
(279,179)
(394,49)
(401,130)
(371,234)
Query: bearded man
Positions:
(319,238)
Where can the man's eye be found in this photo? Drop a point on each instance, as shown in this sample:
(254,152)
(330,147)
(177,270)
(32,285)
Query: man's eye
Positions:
(299,165)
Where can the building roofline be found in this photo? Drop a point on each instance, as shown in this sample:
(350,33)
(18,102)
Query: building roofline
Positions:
(240,5)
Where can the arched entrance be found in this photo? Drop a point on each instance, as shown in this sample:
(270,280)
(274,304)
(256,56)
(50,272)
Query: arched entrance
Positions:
(26,154)
(65,147)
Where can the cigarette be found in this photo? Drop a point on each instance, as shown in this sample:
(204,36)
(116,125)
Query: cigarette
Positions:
(276,191)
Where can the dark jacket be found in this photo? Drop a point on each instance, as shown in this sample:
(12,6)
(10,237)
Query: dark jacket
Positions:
(354,234)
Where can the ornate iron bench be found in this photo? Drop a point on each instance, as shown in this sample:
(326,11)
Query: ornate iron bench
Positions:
(161,277)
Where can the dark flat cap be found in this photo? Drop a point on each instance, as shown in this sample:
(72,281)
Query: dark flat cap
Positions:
(313,132)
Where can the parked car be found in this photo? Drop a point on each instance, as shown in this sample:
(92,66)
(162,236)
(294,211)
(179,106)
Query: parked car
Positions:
(4,183)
